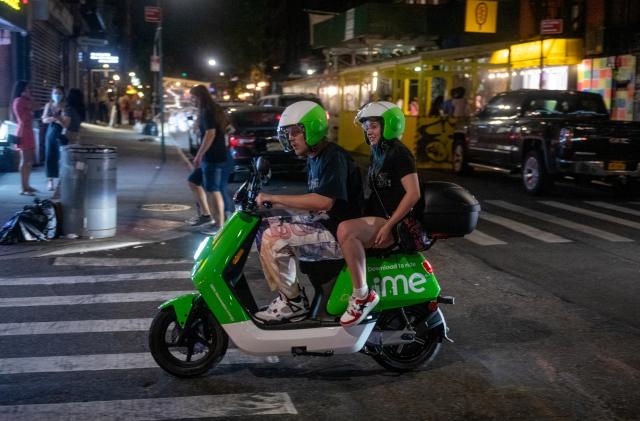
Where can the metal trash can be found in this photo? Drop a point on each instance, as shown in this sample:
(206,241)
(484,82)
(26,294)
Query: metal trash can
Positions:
(88,191)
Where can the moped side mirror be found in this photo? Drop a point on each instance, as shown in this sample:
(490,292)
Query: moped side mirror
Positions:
(262,165)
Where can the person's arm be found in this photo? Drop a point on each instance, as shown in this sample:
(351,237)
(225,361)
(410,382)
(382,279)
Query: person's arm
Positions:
(310,201)
(411,196)
(209,137)
(46,119)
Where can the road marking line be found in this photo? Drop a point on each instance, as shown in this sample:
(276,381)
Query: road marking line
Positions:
(112,261)
(75,326)
(92,279)
(524,229)
(86,248)
(560,221)
(102,362)
(614,207)
(61,300)
(203,406)
(597,215)
(480,238)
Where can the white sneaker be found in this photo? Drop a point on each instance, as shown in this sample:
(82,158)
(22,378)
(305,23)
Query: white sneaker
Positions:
(283,309)
(358,309)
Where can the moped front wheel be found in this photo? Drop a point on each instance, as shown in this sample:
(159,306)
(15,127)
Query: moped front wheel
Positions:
(190,351)
(407,357)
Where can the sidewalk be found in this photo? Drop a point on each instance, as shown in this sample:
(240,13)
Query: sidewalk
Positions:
(142,181)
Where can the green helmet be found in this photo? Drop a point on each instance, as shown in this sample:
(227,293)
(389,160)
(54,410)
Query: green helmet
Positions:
(311,116)
(389,113)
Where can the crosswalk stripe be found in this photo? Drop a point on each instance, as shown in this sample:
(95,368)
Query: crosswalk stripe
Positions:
(74,326)
(524,229)
(592,214)
(92,279)
(102,362)
(61,300)
(560,221)
(614,207)
(112,261)
(480,238)
(203,406)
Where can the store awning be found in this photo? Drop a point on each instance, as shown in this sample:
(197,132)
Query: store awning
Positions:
(552,51)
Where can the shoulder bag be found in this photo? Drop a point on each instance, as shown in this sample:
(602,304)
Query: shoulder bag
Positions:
(410,235)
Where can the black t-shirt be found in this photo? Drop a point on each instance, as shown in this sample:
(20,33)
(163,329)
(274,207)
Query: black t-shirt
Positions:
(217,152)
(399,161)
(334,174)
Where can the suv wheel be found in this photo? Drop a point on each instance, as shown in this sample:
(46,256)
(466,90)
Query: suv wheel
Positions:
(535,177)
(459,158)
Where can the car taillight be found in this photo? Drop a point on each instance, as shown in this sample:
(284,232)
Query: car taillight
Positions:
(233,141)
(278,117)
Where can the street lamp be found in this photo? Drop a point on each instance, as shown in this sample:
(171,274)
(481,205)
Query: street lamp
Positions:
(212,62)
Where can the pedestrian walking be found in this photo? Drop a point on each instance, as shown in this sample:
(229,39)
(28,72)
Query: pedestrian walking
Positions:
(53,115)
(22,109)
(211,172)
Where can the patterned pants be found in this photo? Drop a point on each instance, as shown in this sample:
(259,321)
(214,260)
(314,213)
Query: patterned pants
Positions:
(283,239)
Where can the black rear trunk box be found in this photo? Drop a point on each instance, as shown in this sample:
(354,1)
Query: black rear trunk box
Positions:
(449,210)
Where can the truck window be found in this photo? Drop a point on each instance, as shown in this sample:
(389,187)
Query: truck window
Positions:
(542,106)
(503,106)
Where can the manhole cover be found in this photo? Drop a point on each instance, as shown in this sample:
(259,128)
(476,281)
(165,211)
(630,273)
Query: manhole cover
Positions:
(165,207)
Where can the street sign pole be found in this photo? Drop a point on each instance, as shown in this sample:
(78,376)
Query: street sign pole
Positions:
(161,87)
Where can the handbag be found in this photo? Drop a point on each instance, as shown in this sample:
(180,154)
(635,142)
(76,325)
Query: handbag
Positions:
(410,235)
(13,139)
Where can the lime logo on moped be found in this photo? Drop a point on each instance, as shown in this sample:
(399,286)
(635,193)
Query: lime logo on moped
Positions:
(399,284)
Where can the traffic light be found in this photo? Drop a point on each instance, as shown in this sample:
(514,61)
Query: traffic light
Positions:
(183,74)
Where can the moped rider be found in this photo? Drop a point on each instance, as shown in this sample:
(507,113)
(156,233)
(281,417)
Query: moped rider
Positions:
(395,190)
(334,195)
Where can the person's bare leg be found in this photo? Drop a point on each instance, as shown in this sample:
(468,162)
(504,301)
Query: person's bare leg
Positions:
(26,161)
(201,198)
(218,207)
(354,236)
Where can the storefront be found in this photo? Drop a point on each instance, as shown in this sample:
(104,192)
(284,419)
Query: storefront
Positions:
(13,49)
(545,64)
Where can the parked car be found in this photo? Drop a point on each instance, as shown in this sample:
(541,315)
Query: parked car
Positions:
(546,134)
(255,134)
(284,100)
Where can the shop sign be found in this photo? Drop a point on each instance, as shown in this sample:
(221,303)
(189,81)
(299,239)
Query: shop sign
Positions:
(15,4)
(554,52)
(551,26)
(104,58)
(481,16)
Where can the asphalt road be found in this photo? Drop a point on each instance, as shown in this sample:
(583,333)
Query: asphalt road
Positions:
(545,326)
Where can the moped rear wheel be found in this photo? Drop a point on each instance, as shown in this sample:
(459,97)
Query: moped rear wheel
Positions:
(407,357)
(190,351)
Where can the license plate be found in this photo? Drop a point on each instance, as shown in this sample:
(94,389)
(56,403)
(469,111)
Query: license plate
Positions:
(274,147)
(617,166)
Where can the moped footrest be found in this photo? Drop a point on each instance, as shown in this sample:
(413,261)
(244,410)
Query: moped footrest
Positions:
(446,299)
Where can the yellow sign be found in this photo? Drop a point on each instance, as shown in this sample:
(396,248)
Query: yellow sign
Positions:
(481,16)
(555,52)
(14,4)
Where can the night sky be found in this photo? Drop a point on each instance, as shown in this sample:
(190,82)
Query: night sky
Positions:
(239,34)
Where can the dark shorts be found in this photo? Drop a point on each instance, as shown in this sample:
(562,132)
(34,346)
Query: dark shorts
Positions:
(211,176)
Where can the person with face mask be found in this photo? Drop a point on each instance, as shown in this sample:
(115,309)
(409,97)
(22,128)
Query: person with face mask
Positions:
(54,116)
(393,181)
